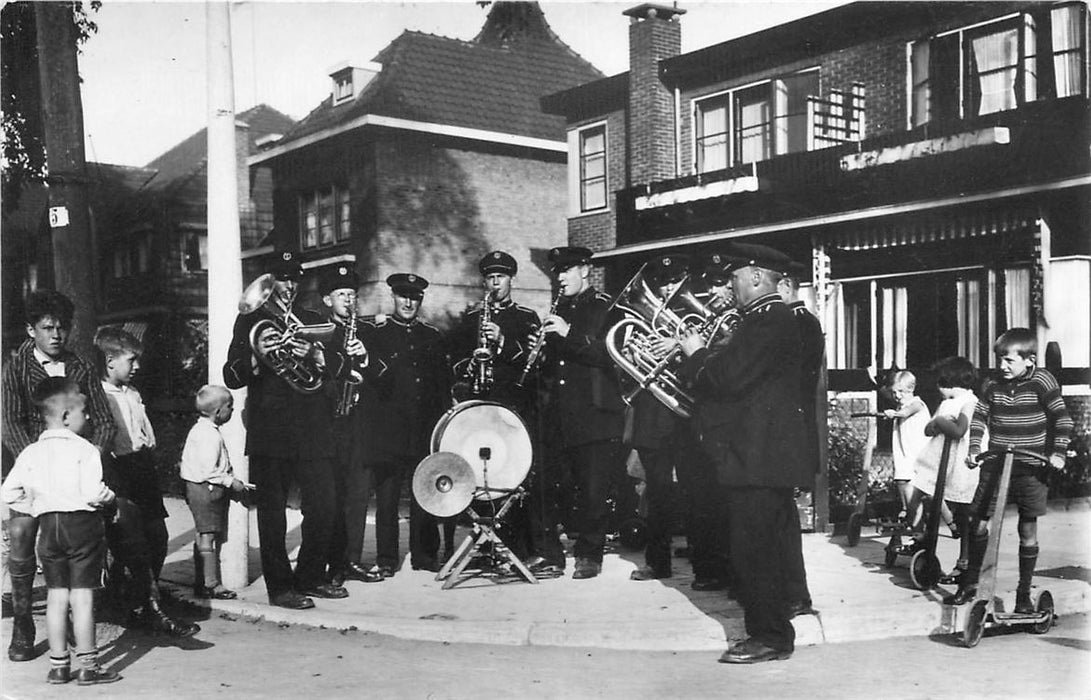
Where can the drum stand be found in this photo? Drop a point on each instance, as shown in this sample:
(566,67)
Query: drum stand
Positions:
(484,531)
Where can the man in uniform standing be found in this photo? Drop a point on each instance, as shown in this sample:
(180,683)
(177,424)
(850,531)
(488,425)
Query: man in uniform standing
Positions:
(752,426)
(406,390)
(584,407)
(289,438)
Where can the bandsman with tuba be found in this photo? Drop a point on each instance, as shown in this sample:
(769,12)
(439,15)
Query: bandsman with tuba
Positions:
(289,436)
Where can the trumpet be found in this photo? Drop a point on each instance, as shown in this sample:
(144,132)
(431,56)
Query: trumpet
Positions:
(539,342)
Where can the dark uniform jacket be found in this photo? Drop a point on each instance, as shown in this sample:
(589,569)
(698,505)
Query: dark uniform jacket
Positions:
(748,400)
(813,354)
(280,421)
(405,391)
(21,421)
(516,323)
(335,389)
(585,398)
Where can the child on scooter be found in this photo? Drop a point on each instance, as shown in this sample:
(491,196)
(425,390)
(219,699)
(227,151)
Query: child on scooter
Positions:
(955,378)
(1023,410)
(909,420)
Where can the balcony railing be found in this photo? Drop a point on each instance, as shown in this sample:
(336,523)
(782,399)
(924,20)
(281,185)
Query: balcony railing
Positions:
(836,120)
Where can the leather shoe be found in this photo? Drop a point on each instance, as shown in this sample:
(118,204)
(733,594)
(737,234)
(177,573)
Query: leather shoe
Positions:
(963,595)
(432,566)
(337,578)
(291,600)
(541,564)
(324,590)
(800,607)
(96,676)
(752,651)
(378,573)
(59,675)
(217,593)
(355,572)
(704,583)
(1023,603)
(647,573)
(586,568)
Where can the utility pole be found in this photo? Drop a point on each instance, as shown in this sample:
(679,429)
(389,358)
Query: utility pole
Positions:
(225,267)
(62,128)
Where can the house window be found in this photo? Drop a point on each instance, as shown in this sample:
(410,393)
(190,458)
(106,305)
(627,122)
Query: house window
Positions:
(325,217)
(592,156)
(342,88)
(712,129)
(195,251)
(1068,39)
(765,120)
(1004,65)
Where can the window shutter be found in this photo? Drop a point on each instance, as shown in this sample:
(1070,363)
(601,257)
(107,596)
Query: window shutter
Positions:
(944,78)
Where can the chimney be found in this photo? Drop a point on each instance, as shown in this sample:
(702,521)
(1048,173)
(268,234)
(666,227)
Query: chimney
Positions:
(654,34)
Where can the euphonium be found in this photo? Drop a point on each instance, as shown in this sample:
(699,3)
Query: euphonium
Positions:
(539,342)
(301,373)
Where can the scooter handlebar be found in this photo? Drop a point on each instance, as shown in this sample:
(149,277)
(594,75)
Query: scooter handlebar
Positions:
(1004,451)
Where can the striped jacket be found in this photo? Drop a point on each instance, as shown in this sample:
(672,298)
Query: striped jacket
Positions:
(21,422)
(1027,413)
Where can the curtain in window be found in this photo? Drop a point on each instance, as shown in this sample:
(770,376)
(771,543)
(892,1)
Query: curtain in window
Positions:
(922,87)
(310,221)
(712,135)
(593,169)
(754,112)
(969,320)
(1017,297)
(1030,59)
(993,60)
(893,325)
(1067,34)
(325,217)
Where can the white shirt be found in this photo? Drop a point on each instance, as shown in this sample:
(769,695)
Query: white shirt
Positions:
(60,473)
(134,430)
(54,368)
(204,457)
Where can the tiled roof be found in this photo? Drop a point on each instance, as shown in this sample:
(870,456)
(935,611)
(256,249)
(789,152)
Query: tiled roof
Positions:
(188,157)
(492,83)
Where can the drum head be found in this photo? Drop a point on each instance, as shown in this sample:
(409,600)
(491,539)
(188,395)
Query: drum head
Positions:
(493,439)
(443,484)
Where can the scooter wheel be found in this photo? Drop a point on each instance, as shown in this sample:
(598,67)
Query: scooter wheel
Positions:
(924,570)
(852,537)
(892,548)
(975,624)
(1044,608)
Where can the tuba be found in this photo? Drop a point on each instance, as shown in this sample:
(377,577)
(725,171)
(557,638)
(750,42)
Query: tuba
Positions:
(301,373)
(630,341)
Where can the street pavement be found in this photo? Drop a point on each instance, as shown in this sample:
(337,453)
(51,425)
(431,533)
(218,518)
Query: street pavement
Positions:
(857,597)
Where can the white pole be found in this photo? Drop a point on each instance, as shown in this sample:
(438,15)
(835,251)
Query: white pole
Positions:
(225,267)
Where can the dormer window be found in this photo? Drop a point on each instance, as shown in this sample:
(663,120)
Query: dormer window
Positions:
(350,78)
(342,87)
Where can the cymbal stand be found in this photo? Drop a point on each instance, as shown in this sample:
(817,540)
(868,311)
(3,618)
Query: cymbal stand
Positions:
(484,531)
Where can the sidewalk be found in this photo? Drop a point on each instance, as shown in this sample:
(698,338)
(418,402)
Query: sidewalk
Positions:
(857,597)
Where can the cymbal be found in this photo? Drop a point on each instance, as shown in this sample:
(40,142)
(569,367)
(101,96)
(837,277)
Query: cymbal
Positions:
(443,484)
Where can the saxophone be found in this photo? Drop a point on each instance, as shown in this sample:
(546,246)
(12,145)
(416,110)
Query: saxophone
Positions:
(539,342)
(350,388)
(483,356)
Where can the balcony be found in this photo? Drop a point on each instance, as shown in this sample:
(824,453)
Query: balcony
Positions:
(1042,142)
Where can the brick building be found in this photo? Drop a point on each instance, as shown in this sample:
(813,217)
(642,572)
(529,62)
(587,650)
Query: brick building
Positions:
(930,161)
(428,157)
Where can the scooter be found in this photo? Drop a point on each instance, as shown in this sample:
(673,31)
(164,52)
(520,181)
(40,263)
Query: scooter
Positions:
(862,515)
(986,610)
(924,567)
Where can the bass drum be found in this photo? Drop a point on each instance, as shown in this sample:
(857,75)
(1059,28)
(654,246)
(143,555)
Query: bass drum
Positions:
(493,439)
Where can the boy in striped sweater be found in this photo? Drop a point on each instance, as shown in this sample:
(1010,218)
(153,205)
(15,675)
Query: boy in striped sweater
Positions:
(1023,410)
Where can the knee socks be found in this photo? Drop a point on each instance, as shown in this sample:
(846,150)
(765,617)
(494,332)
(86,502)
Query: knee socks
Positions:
(979,542)
(1028,559)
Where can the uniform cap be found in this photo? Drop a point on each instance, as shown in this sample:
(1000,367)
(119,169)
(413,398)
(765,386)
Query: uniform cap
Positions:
(755,255)
(498,261)
(337,277)
(286,265)
(408,285)
(568,256)
(668,268)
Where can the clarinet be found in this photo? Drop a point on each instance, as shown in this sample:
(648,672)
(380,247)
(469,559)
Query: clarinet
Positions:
(539,342)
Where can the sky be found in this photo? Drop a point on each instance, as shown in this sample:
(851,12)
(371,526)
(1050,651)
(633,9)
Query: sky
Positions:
(144,79)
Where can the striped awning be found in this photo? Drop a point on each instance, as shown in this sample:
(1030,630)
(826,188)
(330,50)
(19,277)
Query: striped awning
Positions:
(933,227)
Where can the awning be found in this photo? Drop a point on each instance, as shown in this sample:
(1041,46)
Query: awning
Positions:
(933,227)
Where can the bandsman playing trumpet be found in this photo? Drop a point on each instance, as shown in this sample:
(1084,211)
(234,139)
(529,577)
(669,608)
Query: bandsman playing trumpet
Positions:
(288,439)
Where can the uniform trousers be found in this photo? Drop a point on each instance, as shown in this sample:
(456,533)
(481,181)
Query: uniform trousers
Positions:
(353,491)
(658,472)
(706,516)
(273,477)
(796,588)
(756,522)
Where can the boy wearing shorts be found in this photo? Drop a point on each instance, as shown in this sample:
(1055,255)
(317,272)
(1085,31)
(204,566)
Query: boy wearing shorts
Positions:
(1023,410)
(206,469)
(58,479)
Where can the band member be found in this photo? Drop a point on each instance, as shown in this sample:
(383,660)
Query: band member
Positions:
(657,433)
(752,425)
(812,397)
(338,286)
(584,407)
(289,438)
(43,354)
(507,336)
(405,392)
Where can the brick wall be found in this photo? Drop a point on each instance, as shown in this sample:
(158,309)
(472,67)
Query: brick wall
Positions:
(651,104)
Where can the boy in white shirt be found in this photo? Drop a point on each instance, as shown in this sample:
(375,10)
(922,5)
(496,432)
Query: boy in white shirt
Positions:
(206,469)
(58,479)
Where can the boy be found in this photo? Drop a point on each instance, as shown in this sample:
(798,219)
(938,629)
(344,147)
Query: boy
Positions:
(58,479)
(1023,410)
(206,469)
(909,439)
(138,536)
(44,354)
